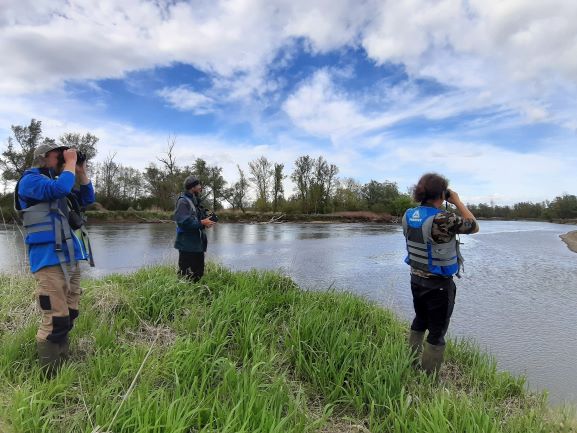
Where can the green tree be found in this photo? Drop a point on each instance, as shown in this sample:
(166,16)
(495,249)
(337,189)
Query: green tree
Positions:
(302,176)
(236,195)
(201,170)
(277,188)
(85,143)
(159,187)
(400,204)
(19,152)
(217,185)
(348,195)
(380,195)
(329,185)
(564,206)
(262,172)
(528,210)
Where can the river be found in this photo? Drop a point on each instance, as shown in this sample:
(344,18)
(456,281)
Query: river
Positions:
(517,298)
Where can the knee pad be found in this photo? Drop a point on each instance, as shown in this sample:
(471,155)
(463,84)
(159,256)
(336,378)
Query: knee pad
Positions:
(60,328)
(73,316)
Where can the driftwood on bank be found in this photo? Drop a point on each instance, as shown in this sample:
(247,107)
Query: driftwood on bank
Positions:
(273,220)
(153,220)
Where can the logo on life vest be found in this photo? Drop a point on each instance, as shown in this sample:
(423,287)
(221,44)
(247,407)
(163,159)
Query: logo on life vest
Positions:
(416,216)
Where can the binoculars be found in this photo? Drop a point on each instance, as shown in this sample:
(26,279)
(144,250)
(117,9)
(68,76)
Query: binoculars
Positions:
(80,157)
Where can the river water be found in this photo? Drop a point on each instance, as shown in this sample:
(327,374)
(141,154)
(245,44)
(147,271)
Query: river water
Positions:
(517,298)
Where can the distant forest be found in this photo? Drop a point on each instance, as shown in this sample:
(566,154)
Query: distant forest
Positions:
(258,187)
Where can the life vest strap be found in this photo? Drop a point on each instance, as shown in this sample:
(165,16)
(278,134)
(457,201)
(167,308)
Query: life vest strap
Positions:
(425,261)
(416,244)
(417,251)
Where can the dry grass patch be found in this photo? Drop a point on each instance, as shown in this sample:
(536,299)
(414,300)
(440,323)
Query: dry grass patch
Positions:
(109,298)
(148,333)
(18,317)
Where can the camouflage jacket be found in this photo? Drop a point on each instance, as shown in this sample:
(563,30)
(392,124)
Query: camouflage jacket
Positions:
(445,226)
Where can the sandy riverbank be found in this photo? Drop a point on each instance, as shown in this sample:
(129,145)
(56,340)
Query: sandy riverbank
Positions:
(571,240)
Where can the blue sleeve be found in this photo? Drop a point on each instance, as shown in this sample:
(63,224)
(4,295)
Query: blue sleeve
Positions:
(86,194)
(35,186)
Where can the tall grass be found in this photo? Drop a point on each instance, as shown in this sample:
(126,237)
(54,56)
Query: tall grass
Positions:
(244,352)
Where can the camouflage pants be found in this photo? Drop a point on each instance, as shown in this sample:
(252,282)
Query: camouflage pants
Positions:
(58,302)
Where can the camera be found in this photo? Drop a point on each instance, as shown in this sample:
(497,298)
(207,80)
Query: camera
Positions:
(447,194)
(212,216)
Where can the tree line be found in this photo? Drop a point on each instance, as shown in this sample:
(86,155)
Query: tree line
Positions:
(561,207)
(260,186)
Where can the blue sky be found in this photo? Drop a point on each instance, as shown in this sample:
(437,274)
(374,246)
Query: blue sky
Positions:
(484,92)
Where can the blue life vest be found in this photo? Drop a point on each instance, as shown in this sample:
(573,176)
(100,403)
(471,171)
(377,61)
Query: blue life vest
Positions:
(54,228)
(443,259)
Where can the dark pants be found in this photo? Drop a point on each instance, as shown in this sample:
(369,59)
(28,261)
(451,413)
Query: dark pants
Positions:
(191,265)
(433,300)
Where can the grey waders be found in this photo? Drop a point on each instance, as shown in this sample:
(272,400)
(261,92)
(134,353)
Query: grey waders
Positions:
(416,344)
(432,358)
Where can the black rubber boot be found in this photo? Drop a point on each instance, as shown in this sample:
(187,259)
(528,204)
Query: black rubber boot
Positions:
(48,357)
(65,349)
(416,344)
(432,358)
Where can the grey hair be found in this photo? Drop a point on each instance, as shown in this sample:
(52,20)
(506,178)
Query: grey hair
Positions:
(39,161)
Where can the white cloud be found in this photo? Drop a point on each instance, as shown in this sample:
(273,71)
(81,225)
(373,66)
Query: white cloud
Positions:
(185,99)
(318,108)
(517,53)
(515,60)
(479,171)
(482,172)
(82,39)
(326,24)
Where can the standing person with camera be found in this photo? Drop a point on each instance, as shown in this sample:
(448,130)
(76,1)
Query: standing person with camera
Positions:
(191,221)
(434,257)
(53,223)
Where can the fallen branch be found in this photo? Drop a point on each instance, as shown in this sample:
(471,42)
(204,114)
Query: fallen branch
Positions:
(273,220)
(153,221)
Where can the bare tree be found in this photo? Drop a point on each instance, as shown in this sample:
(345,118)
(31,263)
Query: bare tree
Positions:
(169,161)
(108,177)
(131,183)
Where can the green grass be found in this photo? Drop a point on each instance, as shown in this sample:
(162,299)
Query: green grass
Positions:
(245,352)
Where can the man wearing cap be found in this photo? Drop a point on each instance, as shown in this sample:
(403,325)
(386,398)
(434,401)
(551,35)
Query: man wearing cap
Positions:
(191,222)
(49,207)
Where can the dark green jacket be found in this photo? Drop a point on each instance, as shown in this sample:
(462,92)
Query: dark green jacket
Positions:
(190,235)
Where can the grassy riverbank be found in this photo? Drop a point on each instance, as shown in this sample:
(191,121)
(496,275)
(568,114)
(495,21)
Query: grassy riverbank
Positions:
(244,352)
